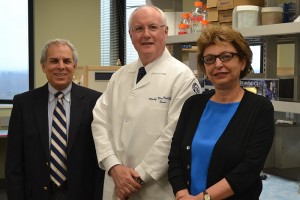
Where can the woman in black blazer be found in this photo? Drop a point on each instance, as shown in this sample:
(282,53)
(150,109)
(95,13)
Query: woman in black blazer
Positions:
(222,138)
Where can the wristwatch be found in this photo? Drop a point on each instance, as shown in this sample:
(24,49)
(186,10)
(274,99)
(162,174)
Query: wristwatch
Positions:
(139,180)
(206,196)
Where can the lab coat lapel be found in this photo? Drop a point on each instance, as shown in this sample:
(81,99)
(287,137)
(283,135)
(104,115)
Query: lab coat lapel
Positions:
(144,81)
(158,66)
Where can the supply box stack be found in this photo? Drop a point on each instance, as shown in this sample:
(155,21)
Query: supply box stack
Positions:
(220,11)
(235,13)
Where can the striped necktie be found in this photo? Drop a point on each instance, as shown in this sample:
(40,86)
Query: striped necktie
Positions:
(141,74)
(58,147)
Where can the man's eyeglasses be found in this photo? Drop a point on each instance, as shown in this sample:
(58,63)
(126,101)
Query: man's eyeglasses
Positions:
(224,57)
(152,28)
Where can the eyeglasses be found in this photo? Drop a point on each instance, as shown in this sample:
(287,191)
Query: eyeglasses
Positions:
(152,28)
(224,57)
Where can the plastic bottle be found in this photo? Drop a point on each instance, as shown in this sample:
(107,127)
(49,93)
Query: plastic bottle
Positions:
(196,17)
(289,12)
(204,23)
(186,20)
(182,29)
(204,8)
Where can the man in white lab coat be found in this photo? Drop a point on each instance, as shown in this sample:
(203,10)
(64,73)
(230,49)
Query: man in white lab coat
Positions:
(134,120)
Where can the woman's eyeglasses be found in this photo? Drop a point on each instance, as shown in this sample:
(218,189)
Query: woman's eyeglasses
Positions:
(224,57)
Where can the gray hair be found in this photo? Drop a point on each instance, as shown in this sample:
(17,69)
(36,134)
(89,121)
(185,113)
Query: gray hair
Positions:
(163,16)
(58,41)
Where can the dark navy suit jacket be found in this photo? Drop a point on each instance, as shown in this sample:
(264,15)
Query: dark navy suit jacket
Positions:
(27,170)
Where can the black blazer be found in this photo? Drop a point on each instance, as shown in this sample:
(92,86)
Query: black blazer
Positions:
(239,154)
(27,169)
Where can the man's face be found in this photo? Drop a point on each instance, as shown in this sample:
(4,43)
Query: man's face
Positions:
(148,34)
(59,66)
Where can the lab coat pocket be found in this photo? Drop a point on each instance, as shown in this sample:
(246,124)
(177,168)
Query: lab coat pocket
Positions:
(156,120)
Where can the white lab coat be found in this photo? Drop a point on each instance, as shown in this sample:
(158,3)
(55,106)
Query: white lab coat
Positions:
(134,123)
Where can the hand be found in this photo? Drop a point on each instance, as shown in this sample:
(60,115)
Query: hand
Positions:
(189,197)
(181,193)
(184,195)
(120,195)
(125,185)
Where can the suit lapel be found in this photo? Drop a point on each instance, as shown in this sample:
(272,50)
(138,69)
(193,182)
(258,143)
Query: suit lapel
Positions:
(76,112)
(41,115)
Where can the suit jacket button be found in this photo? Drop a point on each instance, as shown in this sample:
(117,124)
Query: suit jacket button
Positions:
(188,147)
(47,163)
(45,188)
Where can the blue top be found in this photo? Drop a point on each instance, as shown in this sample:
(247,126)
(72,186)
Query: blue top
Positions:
(213,122)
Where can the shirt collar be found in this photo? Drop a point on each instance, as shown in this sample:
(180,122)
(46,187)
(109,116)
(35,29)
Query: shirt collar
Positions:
(66,91)
(147,67)
(156,63)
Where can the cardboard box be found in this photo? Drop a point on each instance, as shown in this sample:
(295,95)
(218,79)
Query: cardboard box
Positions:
(226,23)
(260,3)
(212,14)
(216,23)
(230,4)
(212,3)
(225,15)
(225,4)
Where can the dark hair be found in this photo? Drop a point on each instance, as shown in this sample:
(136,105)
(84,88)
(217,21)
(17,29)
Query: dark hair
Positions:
(214,34)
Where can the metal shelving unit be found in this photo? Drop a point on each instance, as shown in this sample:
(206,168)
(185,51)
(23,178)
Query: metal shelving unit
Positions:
(269,34)
(286,29)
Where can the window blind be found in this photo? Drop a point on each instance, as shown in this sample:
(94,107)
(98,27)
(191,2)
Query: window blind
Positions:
(131,5)
(114,36)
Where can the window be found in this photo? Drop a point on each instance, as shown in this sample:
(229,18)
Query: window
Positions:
(16,58)
(115,39)
(131,53)
(112,31)
(257,58)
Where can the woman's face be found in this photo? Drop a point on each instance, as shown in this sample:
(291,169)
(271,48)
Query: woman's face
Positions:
(223,74)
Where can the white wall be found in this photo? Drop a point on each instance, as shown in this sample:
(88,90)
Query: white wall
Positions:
(75,20)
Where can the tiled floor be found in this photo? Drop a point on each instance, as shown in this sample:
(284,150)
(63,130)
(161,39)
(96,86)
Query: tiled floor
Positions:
(274,188)
(277,188)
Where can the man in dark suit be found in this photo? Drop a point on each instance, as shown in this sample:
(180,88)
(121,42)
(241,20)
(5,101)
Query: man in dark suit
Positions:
(32,169)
